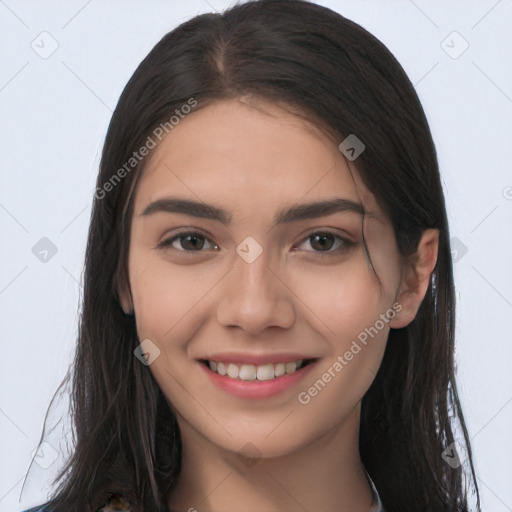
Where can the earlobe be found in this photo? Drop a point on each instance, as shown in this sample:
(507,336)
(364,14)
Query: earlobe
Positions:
(125,299)
(416,277)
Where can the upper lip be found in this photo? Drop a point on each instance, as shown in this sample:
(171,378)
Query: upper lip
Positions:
(257,360)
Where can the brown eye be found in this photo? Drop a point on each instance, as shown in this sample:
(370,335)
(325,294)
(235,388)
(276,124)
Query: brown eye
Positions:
(192,242)
(187,242)
(324,241)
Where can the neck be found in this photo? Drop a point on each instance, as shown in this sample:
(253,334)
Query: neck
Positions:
(325,475)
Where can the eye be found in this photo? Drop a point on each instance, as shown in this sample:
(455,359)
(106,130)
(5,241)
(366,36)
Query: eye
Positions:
(321,241)
(324,241)
(191,241)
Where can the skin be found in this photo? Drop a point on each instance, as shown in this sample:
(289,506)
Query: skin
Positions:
(253,162)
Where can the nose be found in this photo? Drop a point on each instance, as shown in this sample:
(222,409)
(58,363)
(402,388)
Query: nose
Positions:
(255,297)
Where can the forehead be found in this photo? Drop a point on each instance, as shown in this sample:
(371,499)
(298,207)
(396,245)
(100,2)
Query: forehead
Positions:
(249,155)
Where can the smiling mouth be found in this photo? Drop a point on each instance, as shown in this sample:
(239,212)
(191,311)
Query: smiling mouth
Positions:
(251,372)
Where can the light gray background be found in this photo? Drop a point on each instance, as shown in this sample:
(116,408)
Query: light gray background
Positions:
(55,113)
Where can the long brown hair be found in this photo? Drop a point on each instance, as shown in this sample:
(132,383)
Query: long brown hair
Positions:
(303,55)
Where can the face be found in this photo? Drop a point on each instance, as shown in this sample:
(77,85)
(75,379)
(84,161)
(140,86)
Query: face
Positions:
(254,288)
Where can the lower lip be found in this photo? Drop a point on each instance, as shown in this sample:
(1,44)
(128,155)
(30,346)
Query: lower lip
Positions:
(256,388)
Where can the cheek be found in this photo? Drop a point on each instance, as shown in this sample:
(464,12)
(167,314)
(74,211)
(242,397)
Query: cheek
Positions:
(342,299)
(162,296)
(355,312)
(352,309)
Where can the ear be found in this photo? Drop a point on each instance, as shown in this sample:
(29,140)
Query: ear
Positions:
(415,278)
(125,296)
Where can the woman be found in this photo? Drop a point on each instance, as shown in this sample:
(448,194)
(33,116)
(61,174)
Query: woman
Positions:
(268,309)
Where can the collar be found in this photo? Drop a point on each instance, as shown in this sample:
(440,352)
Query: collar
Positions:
(376,496)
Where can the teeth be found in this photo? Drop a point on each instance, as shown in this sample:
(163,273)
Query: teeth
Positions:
(221,369)
(233,371)
(250,372)
(265,372)
(280,369)
(247,372)
(290,367)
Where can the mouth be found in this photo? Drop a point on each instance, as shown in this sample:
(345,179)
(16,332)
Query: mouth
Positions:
(250,372)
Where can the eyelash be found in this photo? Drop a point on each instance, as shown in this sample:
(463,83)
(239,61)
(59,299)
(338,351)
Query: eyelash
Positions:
(346,243)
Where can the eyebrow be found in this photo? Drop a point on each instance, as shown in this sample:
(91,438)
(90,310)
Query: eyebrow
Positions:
(295,213)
